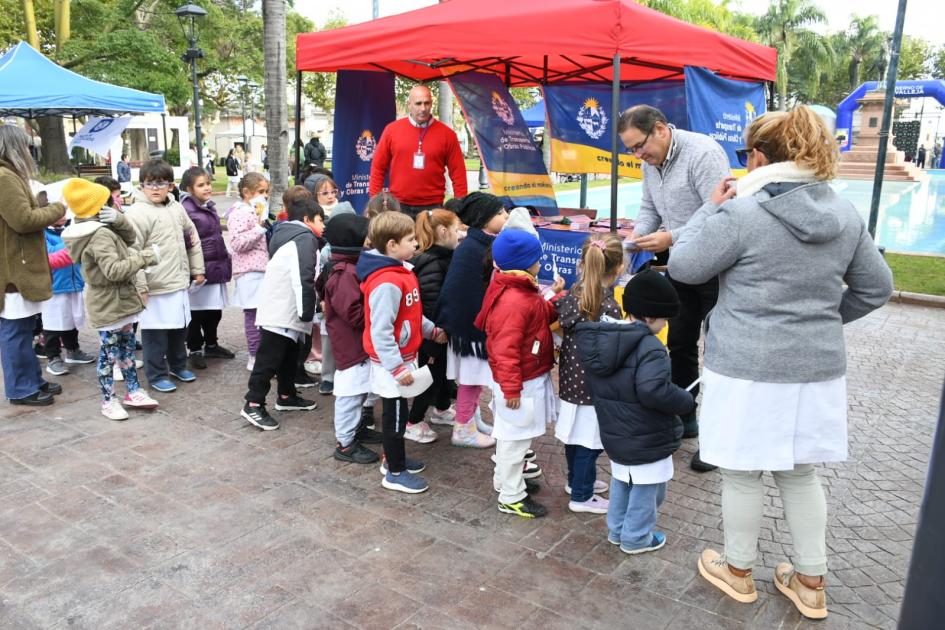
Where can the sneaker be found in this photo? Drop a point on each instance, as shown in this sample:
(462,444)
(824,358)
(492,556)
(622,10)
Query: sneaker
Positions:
(250,363)
(197,360)
(113,410)
(594,505)
(613,540)
(420,433)
(217,352)
(355,454)
(530,455)
(526,508)
(39,399)
(532,487)
(185,376)
(325,388)
(600,487)
(137,346)
(656,542)
(51,388)
(714,568)
(468,436)
(700,466)
(259,417)
(77,356)
(810,602)
(117,375)
(413,465)
(303,380)
(294,403)
(57,367)
(481,425)
(445,416)
(313,367)
(164,386)
(139,400)
(406,482)
(531,470)
(367,417)
(369,436)
(39,349)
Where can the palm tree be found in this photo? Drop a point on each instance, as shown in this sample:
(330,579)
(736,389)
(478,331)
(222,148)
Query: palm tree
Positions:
(864,41)
(277,123)
(783,27)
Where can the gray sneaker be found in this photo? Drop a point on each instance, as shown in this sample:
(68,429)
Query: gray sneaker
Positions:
(77,356)
(57,367)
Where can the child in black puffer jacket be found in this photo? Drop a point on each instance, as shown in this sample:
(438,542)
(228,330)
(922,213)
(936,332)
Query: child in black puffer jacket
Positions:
(638,407)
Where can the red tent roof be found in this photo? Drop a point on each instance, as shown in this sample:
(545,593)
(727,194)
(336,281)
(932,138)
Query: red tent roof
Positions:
(527,40)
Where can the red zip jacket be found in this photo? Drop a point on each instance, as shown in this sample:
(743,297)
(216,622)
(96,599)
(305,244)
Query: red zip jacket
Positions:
(515,319)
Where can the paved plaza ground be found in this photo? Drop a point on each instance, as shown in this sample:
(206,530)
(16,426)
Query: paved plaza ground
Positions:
(189,518)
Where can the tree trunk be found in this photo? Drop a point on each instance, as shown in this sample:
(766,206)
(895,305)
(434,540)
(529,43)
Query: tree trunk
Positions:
(55,156)
(277,123)
(29,15)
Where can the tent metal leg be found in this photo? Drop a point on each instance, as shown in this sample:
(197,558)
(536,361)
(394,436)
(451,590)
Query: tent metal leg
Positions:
(583,203)
(298,127)
(614,139)
(164,127)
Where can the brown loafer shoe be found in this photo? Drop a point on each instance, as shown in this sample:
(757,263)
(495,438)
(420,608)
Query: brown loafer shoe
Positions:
(714,568)
(810,602)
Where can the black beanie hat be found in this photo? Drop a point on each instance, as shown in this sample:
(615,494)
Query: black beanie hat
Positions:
(477,209)
(650,294)
(346,230)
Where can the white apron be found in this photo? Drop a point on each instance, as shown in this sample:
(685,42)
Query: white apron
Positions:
(751,425)
(542,394)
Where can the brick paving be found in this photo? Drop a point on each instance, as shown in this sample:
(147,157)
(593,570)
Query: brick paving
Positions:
(189,518)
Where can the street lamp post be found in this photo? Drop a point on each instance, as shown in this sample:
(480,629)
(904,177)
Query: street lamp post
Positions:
(189,14)
(253,92)
(243,81)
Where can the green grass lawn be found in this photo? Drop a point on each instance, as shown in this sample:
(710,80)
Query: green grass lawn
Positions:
(918,274)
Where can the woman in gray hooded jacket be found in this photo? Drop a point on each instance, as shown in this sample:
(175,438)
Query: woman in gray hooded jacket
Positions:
(795,263)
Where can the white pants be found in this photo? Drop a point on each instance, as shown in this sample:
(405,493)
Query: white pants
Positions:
(508,479)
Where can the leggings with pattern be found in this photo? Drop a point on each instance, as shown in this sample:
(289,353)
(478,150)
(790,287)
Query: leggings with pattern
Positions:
(118,348)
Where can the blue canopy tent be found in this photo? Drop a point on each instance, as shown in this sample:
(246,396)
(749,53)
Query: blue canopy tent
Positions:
(535,115)
(33,86)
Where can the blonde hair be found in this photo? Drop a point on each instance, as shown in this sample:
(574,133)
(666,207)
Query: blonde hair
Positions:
(798,136)
(382,202)
(250,183)
(389,226)
(427,223)
(601,256)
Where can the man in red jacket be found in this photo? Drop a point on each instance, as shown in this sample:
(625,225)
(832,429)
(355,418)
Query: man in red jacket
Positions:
(415,150)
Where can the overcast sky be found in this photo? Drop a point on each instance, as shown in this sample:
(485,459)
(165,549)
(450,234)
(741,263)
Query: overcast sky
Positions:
(922,18)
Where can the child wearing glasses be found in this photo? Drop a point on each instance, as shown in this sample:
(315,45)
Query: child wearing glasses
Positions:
(161,223)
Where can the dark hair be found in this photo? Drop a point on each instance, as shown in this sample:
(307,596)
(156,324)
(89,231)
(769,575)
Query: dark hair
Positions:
(642,117)
(123,156)
(453,204)
(314,169)
(108,182)
(303,208)
(190,177)
(157,171)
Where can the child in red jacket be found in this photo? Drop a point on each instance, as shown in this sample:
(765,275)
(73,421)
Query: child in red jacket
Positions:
(515,319)
(394,327)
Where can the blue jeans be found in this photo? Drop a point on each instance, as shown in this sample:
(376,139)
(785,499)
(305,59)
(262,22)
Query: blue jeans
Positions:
(631,516)
(22,375)
(582,471)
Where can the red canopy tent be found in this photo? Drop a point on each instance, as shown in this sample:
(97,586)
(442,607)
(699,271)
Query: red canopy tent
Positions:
(534,42)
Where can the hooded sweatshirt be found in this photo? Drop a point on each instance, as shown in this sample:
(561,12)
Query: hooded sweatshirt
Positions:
(783,250)
(629,377)
(168,226)
(110,267)
(394,325)
(287,294)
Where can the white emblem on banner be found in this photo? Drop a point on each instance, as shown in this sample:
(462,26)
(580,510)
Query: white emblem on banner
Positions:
(750,113)
(365,145)
(592,119)
(502,109)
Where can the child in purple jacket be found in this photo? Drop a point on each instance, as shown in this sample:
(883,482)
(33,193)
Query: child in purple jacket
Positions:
(208,299)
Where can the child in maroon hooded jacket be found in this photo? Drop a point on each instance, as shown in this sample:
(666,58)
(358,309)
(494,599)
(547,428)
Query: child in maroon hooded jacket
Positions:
(207,300)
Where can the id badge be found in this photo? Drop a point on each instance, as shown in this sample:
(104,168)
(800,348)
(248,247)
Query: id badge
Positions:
(418,160)
(535,347)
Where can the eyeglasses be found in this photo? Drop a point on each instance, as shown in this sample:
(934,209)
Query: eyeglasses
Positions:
(742,154)
(639,146)
(155,185)
(326,193)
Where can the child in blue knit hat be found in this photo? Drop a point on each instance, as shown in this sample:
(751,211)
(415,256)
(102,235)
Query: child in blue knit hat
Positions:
(516,321)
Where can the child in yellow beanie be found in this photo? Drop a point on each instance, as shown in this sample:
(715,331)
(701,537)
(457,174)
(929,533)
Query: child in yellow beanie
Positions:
(100,241)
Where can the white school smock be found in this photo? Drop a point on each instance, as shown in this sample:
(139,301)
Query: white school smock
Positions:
(659,471)
(577,425)
(542,393)
(209,297)
(383,382)
(64,311)
(16,307)
(752,425)
(467,370)
(167,311)
(353,381)
(246,289)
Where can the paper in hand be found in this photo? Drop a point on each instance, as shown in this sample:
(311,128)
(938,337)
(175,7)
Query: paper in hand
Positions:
(422,379)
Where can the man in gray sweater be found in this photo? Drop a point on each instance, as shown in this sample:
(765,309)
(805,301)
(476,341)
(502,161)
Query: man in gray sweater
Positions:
(680,171)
